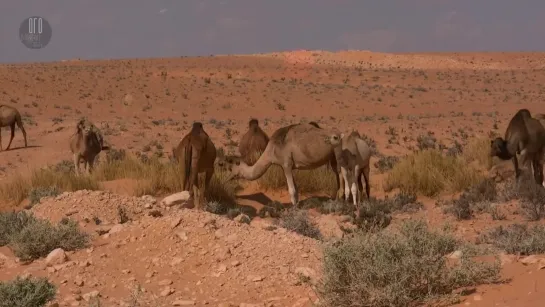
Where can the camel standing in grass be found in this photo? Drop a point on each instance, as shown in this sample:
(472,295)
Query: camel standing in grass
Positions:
(9,116)
(86,144)
(253,142)
(302,146)
(198,154)
(354,157)
(525,136)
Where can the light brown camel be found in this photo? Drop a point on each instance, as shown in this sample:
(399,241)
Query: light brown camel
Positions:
(524,135)
(9,116)
(253,142)
(354,157)
(300,146)
(197,153)
(86,143)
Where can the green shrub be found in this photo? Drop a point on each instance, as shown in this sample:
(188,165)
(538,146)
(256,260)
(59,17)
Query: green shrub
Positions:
(397,268)
(26,292)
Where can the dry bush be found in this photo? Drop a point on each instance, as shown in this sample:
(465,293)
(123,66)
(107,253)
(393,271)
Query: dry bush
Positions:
(398,268)
(31,238)
(517,238)
(475,199)
(154,177)
(386,163)
(429,172)
(25,292)
(478,150)
(298,221)
(531,195)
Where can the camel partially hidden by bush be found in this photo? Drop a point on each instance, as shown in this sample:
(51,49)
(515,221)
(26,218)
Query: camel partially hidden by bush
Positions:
(197,154)
(86,143)
(9,116)
(354,156)
(302,146)
(525,136)
(253,142)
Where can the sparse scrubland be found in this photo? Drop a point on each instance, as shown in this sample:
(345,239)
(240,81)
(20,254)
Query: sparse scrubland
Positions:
(430,139)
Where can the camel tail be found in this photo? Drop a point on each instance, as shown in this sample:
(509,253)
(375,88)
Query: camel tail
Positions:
(187,166)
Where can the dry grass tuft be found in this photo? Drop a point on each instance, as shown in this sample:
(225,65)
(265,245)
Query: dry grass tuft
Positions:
(428,172)
(478,150)
(154,177)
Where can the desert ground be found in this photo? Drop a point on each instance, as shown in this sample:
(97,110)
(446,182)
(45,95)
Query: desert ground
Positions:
(425,109)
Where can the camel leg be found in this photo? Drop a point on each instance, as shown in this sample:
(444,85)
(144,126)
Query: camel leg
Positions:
(516,165)
(20,125)
(338,177)
(344,178)
(292,189)
(12,127)
(365,173)
(90,165)
(209,174)
(0,138)
(538,171)
(76,163)
(196,193)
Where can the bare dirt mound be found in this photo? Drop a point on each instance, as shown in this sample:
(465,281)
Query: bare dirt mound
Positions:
(185,257)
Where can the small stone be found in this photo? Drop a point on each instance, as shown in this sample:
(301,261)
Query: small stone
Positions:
(235,263)
(165,282)
(57,256)
(90,295)
(477,297)
(182,235)
(78,281)
(116,228)
(255,278)
(183,303)
(532,259)
(166,291)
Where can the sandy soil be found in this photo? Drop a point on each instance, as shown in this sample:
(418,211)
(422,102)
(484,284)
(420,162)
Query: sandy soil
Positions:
(454,96)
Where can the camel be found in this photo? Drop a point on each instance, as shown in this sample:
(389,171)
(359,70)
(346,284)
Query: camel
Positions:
(9,116)
(524,135)
(86,143)
(197,154)
(253,142)
(354,157)
(301,146)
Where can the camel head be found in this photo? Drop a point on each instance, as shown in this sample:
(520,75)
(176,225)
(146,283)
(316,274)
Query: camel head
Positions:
(334,139)
(84,128)
(231,164)
(498,148)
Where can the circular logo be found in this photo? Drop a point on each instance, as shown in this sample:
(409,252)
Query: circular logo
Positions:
(35,32)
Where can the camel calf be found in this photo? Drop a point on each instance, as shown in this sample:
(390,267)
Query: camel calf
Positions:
(9,116)
(525,136)
(197,153)
(85,145)
(354,156)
